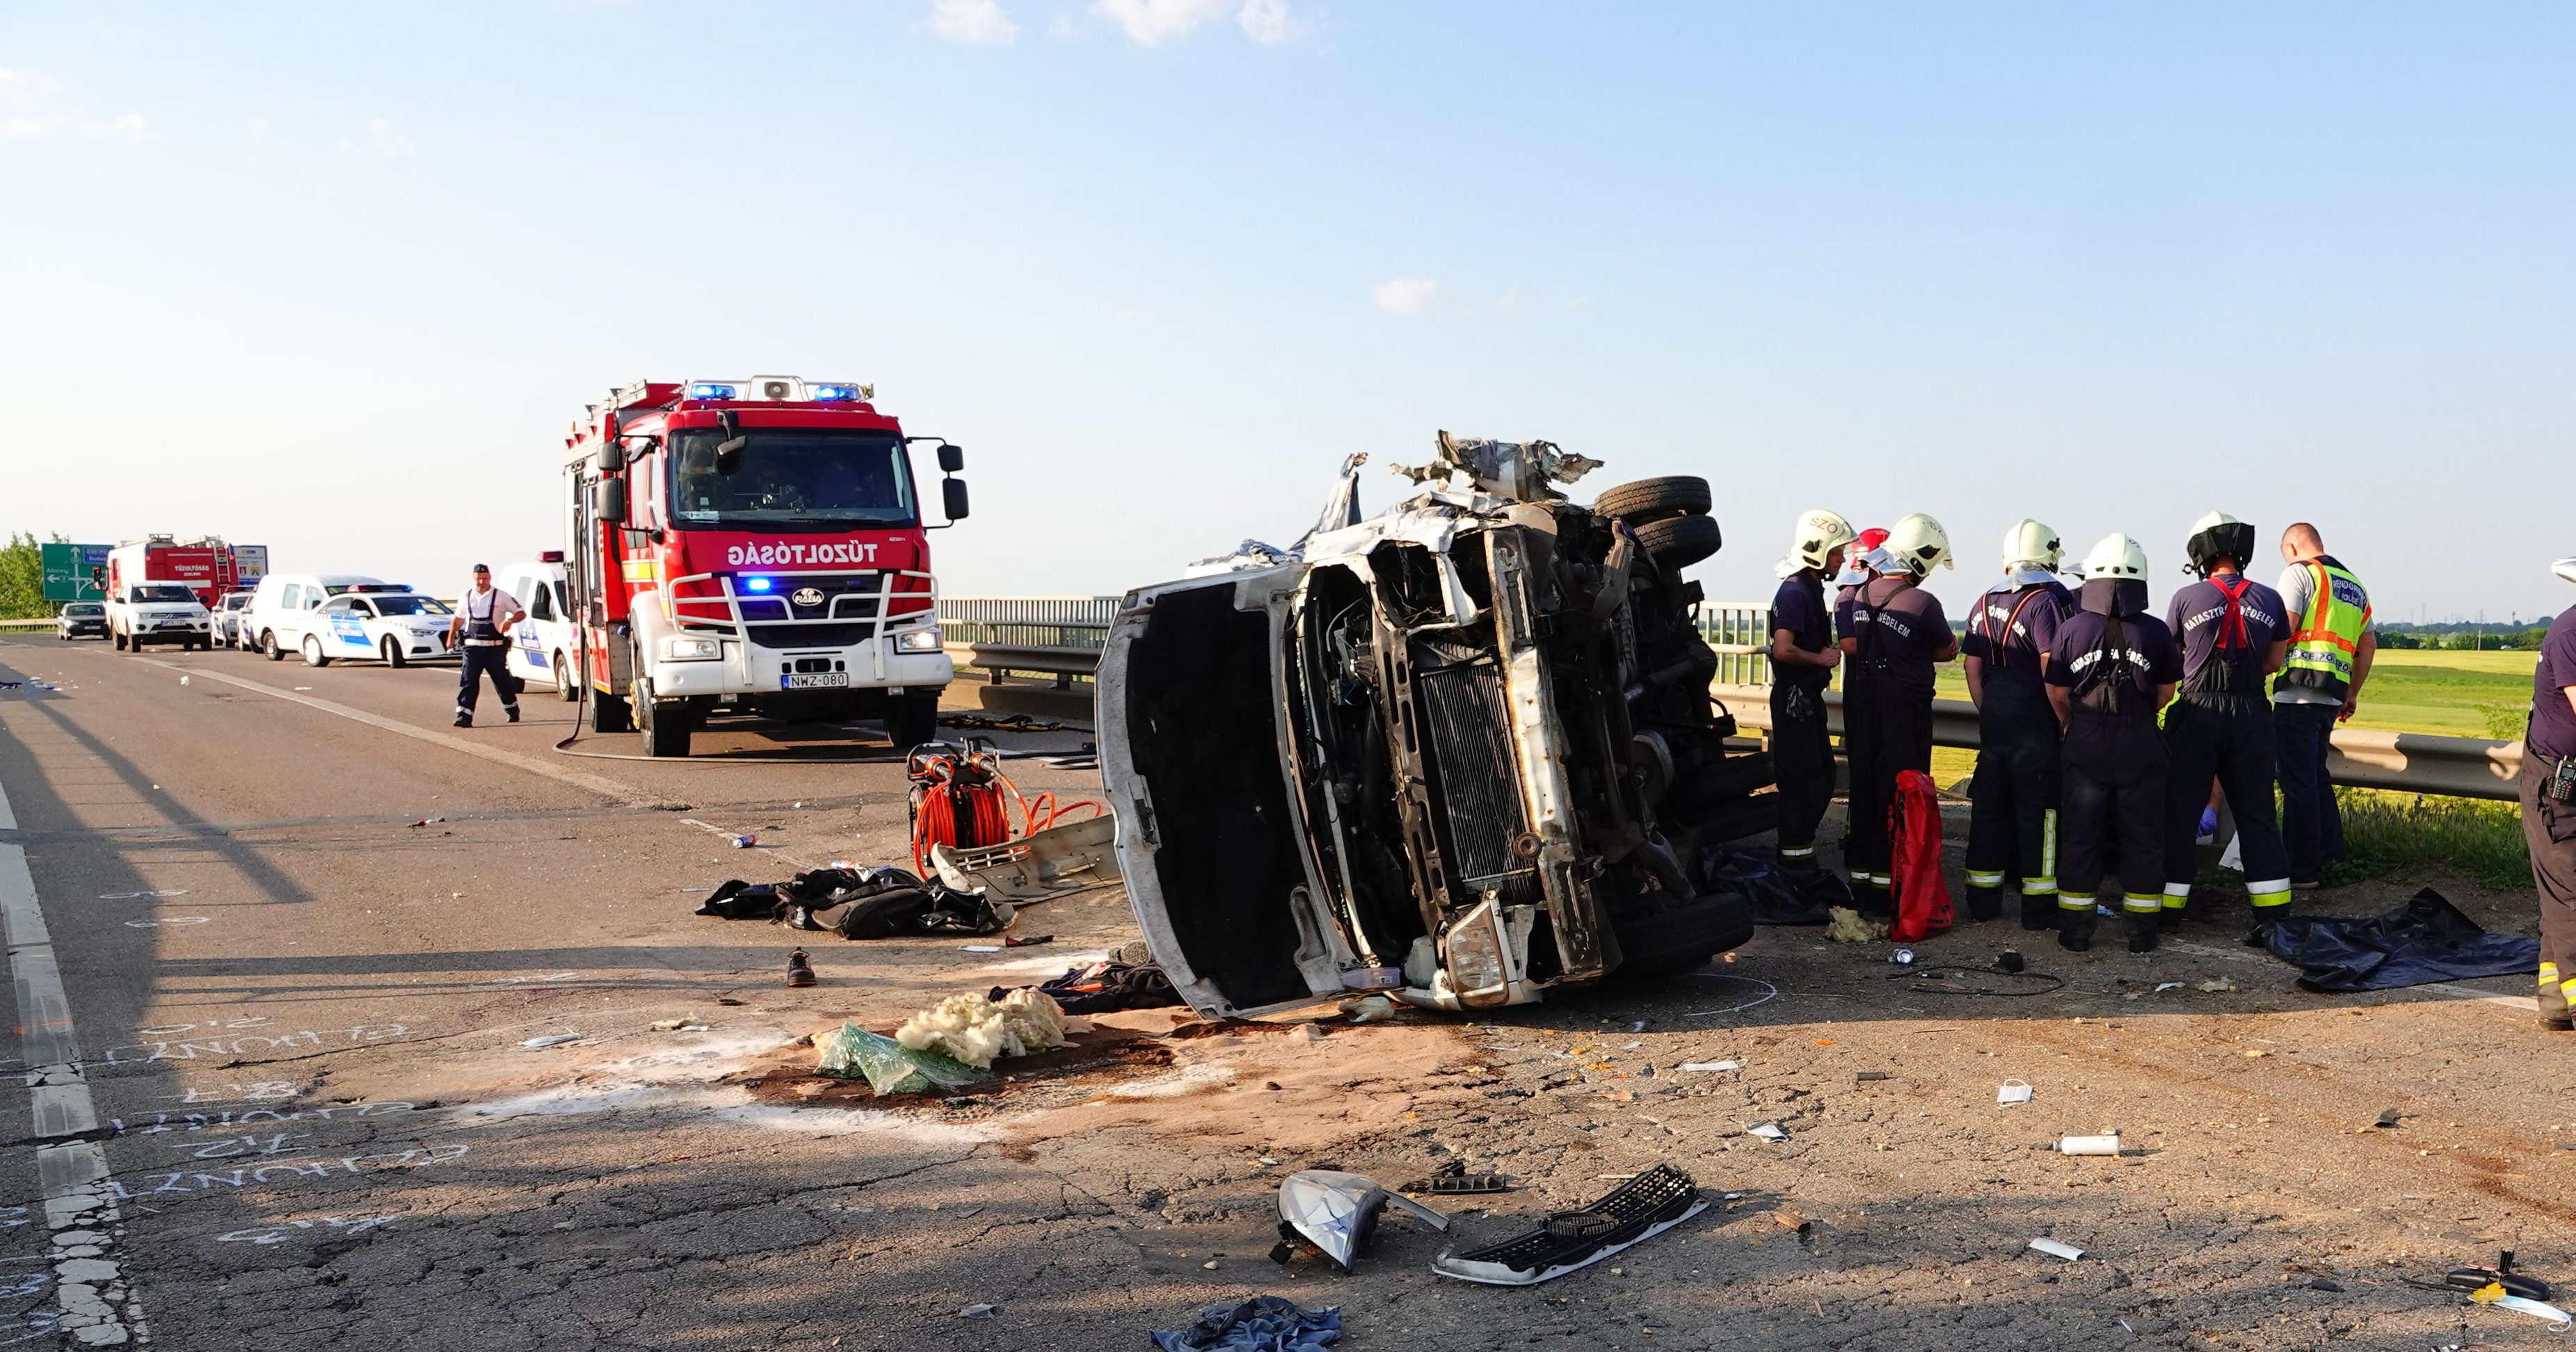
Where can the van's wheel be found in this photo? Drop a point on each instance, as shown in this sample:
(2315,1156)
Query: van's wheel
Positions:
(313,651)
(1682,937)
(565,690)
(268,647)
(394,655)
(912,720)
(1678,542)
(115,640)
(1655,499)
(665,723)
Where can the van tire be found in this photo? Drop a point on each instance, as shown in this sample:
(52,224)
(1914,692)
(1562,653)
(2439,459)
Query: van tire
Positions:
(114,639)
(1680,541)
(313,654)
(565,690)
(268,647)
(912,720)
(1645,500)
(394,655)
(1681,938)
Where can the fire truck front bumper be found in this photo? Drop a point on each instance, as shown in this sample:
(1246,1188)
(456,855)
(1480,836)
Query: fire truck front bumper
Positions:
(740,668)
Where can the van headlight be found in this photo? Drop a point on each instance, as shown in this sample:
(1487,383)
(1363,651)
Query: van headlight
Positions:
(917,641)
(685,649)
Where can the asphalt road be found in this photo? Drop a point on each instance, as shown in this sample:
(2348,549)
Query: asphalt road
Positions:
(296,1020)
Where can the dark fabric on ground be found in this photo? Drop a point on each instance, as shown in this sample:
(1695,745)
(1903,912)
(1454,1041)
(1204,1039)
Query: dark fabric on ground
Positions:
(1104,987)
(874,903)
(2424,941)
(1779,896)
(1260,1324)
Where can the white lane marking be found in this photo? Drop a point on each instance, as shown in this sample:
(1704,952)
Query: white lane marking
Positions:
(624,793)
(99,1306)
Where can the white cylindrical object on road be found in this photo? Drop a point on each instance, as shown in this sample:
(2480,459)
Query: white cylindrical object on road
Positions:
(2090,1145)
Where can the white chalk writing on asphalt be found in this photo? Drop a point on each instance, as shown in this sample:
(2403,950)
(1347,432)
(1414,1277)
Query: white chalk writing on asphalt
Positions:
(229,1043)
(229,1120)
(286,1230)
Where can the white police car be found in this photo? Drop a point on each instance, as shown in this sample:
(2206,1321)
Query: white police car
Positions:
(397,628)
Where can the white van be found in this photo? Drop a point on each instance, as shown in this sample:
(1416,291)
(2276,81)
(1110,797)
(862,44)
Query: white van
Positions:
(543,647)
(280,612)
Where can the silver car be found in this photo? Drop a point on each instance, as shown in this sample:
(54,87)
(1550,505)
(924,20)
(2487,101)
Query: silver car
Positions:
(1456,753)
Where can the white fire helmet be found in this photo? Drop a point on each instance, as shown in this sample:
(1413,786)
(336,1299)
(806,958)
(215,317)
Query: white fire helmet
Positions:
(1916,543)
(2032,544)
(2117,557)
(1819,532)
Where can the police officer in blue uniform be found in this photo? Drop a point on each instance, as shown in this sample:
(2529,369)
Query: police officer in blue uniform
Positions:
(2233,632)
(1803,658)
(2012,819)
(482,626)
(2112,666)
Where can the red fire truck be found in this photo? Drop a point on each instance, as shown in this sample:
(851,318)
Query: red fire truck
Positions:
(756,544)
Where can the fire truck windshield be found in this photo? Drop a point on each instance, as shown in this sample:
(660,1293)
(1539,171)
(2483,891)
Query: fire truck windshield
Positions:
(790,478)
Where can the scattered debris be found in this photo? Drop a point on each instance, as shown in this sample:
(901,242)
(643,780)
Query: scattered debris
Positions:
(1259,1324)
(2387,1119)
(1868,1076)
(2009,960)
(1103,987)
(1903,957)
(889,1067)
(2056,1250)
(2521,1284)
(800,969)
(1337,1213)
(1368,1009)
(1052,861)
(973,1029)
(2011,1092)
(1843,925)
(673,1025)
(2216,984)
(745,842)
(2425,940)
(2090,1145)
(550,1040)
(1460,1185)
(976,1312)
(2163,986)
(1769,1131)
(1638,1210)
(1710,1065)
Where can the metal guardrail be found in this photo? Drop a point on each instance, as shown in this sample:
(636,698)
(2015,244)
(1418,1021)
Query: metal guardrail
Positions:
(1059,636)
(2365,758)
(1739,632)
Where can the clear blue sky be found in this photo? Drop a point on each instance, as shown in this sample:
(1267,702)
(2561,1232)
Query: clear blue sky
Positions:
(334,277)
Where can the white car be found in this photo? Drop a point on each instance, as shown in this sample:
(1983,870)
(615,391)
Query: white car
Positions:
(544,648)
(396,628)
(158,612)
(281,608)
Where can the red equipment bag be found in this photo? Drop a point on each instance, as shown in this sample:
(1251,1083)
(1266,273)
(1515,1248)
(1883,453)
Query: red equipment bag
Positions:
(1914,833)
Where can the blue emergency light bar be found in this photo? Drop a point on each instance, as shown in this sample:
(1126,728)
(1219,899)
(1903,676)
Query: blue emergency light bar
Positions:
(757,584)
(711,391)
(835,392)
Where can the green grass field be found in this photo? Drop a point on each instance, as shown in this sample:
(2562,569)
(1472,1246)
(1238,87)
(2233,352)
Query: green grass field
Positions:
(2456,694)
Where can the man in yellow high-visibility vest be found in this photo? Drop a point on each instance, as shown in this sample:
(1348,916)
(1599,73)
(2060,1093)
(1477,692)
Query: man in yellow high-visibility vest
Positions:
(2331,646)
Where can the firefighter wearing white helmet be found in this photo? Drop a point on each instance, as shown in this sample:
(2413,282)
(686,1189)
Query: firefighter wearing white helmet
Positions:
(2013,816)
(2549,809)
(2110,669)
(1803,657)
(2231,632)
(1892,632)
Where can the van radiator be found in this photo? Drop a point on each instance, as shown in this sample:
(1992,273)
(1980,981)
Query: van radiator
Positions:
(1475,769)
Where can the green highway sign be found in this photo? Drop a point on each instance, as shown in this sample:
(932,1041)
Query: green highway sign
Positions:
(74,572)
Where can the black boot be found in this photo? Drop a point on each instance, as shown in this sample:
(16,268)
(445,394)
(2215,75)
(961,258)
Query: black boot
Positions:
(2143,926)
(512,710)
(2039,913)
(2169,920)
(798,972)
(1985,903)
(2075,928)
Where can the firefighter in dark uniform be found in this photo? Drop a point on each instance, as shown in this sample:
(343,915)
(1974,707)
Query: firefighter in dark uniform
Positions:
(1892,632)
(2549,809)
(2112,667)
(2232,632)
(482,625)
(1803,657)
(2012,819)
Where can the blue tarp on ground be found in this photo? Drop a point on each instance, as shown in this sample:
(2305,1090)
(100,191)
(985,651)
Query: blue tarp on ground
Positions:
(2424,941)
